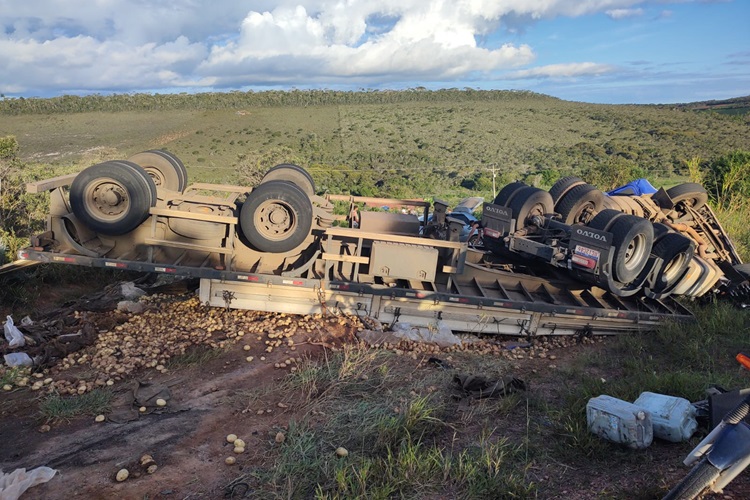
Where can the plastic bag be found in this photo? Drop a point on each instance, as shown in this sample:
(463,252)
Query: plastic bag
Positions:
(130,306)
(13,485)
(130,292)
(13,334)
(18,359)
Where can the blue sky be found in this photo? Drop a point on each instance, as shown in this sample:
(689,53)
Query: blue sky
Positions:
(605,51)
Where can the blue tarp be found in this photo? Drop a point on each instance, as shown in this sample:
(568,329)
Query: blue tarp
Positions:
(634,188)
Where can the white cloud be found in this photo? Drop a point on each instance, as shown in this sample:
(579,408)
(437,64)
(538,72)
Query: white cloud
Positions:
(569,70)
(624,13)
(49,46)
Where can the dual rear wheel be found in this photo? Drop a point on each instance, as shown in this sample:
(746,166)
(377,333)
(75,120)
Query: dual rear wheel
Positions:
(114,197)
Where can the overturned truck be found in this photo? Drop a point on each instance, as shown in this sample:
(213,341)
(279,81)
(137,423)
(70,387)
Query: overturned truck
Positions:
(569,261)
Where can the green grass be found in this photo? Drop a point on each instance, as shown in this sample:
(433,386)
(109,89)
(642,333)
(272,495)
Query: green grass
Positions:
(680,360)
(407,437)
(406,146)
(401,432)
(57,407)
(12,375)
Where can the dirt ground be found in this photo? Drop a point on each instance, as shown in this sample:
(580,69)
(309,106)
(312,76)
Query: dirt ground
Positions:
(209,400)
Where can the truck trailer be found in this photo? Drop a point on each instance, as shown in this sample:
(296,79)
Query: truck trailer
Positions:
(564,262)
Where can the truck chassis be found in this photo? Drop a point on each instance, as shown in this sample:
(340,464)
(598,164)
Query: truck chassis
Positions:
(275,248)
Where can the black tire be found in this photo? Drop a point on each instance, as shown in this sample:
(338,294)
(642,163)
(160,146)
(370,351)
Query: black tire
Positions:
(604,219)
(112,198)
(140,170)
(676,251)
(691,194)
(276,217)
(564,185)
(580,204)
(507,193)
(633,238)
(528,202)
(697,480)
(659,231)
(291,173)
(165,169)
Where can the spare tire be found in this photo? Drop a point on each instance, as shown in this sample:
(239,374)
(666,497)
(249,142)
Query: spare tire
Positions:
(112,198)
(276,217)
(580,204)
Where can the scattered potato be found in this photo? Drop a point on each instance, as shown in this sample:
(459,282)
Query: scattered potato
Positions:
(239,449)
(341,451)
(7,387)
(161,402)
(142,409)
(152,468)
(99,418)
(122,475)
(230,460)
(231,438)
(280,437)
(239,443)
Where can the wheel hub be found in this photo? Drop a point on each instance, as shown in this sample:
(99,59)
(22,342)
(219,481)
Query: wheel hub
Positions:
(275,220)
(109,199)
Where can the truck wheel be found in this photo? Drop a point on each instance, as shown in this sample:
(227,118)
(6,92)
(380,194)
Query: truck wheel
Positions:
(604,219)
(528,202)
(276,216)
(676,251)
(507,193)
(691,194)
(112,198)
(580,204)
(291,173)
(564,185)
(165,169)
(660,230)
(633,238)
(151,185)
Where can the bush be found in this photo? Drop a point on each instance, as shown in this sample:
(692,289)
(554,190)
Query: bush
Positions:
(727,178)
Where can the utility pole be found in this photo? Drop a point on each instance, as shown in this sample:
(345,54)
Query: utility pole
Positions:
(494,174)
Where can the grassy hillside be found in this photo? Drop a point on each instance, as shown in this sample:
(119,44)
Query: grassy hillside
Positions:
(412,143)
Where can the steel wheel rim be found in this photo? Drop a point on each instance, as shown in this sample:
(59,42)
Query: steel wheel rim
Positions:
(156,175)
(674,265)
(107,199)
(275,220)
(635,251)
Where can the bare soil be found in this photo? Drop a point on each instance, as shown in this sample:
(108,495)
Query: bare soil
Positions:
(210,400)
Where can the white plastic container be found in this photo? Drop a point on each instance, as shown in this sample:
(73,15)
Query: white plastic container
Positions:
(619,421)
(673,418)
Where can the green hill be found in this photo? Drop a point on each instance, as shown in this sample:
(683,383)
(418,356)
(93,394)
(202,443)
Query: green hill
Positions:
(407,143)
